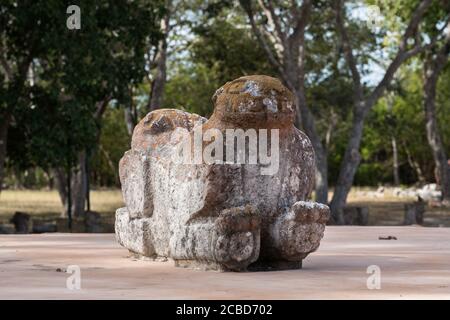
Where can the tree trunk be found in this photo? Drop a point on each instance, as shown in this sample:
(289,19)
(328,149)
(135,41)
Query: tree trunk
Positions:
(321,186)
(414,213)
(130,119)
(290,63)
(348,168)
(159,81)
(415,166)
(432,69)
(61,186)
(4,125)
(306,121)
(78,185)
(395,161)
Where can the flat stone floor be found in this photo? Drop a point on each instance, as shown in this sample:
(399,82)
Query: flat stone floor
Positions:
(417,265)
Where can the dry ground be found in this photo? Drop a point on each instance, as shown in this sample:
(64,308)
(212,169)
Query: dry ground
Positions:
(384,210)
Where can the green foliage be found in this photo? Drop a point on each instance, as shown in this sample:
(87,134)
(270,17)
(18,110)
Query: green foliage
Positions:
(223,49)
(191,89)
(401,115)
(114,141)
(73,71)
(229,49)
(53,116)
(47,133)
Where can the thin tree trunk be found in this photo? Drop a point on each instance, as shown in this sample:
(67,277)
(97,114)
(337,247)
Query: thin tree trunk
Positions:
(60,179)
(159,81)
(395,165)
(4,125)
(88,183)
(69,195)
(432,68)
(78,187)
(321,186)
(415,166)
(395,161)
(130,119)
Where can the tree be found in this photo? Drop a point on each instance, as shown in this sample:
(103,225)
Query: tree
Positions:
(280,29)
(435,61)
(159,59)
(20,37)
(77,72)
(365,99)
(221,49)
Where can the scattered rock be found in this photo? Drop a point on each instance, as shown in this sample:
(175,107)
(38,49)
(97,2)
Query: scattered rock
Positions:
(7,229)
(22,222)
(358,216)
(40,226)
(387,238)
(78,225)
(414,213)
(429,192)
(92,222)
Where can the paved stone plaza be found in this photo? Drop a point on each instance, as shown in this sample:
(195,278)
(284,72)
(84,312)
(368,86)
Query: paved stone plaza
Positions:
(416,265)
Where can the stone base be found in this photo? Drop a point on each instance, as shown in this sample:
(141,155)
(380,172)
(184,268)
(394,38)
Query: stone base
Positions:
(256,266)
(200,265)
(274,265)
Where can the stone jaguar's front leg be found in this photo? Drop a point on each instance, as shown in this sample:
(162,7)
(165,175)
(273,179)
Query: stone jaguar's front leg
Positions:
(229,241)
(299,230)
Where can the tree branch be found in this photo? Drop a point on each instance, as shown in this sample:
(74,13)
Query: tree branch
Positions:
(402,54)
(246,5)
(301,20)
(273,20)
(411,29)
(348,52)
(5,64)
(101,107)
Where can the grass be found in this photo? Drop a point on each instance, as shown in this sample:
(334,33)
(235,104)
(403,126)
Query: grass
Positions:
(385,210)
(47,203)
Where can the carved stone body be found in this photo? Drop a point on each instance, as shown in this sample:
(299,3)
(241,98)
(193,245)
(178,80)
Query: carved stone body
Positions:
(225,216)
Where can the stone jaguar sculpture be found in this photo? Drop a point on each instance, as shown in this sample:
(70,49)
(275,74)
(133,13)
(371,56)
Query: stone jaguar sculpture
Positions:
(222,215)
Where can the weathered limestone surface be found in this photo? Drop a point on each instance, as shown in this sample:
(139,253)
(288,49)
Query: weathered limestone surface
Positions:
(221,216)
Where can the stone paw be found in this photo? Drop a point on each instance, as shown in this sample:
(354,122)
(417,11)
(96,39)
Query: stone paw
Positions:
(238,238)
(310,212)
(298,232)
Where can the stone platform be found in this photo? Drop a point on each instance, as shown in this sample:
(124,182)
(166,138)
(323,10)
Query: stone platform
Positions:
(416,265)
